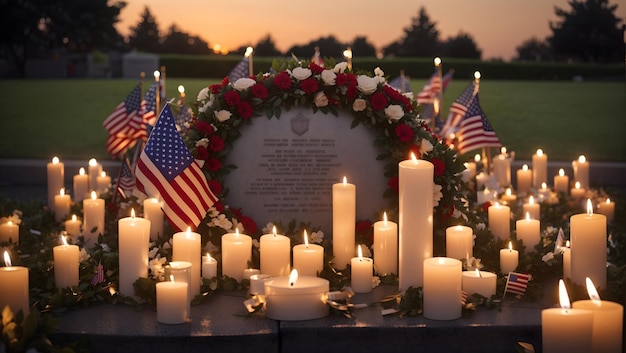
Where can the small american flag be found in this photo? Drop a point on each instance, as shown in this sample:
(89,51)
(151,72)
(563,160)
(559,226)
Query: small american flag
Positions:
(463,297)
(430,90)
(401,83)
(99,276)
(167,171)
(458,110)
(241,70)
(124,124)
(475,131)
(148,110)
(516,283)
(126,181)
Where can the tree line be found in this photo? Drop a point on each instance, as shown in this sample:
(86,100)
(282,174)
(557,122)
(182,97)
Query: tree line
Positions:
(588,31)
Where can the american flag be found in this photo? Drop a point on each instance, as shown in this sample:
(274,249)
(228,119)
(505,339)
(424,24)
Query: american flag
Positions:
(458,110)
(463,297)
(475,130)
(241,70)
(148,108)
(126,180)
(122,124)
(516,283)
(183,116)
(167,171)
(401,83)
(99,276)
(430,90)
(447,78)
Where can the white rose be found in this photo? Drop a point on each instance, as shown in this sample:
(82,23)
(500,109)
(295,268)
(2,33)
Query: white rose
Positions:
(394,112)
(204,94)
(301,73)
(367,84)
(378,72)
(328,76)
(243,83)
(425,146)
(320,99)
(359,105)
(222,115)
(437,195)
(341,67)
(204,142)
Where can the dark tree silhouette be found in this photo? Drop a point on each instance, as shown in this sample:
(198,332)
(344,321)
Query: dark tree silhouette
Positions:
(145,35)
(534,49)
(420,39)
(266,47)
(180,42)
(362,48)
(328,46)
(461,46)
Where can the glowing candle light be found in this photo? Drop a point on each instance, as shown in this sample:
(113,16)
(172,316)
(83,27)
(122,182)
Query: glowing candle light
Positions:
(588,241)
(532,208)
(294,298)
(581,171)
(607,208)
(9,231)
(361,277)
(65,264)
(386,246)
(171,302)
(81,186)
(187,247)
(509,259)
(499,217)
(14,281)
(442,288)
(94,171)
(344,222)
(540,168)
(61,205)
(56,175)
(459,242)
(577,191)
(134,241)
(308,259)
(209,266)
(561,182)
(93,209)
(275,254)
(524,179)
(72,226)
(528,231)
(236,254)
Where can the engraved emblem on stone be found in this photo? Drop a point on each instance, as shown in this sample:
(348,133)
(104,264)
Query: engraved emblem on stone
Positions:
(300,124)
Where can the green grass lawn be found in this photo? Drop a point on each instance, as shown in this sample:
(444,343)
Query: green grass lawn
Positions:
(43,118)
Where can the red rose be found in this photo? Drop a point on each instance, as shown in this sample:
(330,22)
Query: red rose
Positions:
(440,166)
(394,184)
(259,91)
(215,89)
(213,164)
(392,93)
(202,153)
(204,127)
(341,79)
(282,80)
(378,101)
(316,69)
(363,226)
(404,132)
(352,91)
(237,212)
(309,85)
(232,97)
(216,143)
(245,110)
(215,186)
(447,212)
(408,107)
(219,207)
(485,206)
(248,224)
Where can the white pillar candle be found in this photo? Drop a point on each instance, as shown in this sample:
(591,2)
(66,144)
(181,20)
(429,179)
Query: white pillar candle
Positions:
(509,259)
(416,186)
(94,170)
(502,169)
(180,271)
(9,230)
(209,267)
(588,244)
(186,246)
(152,212)
(481,179)
(257,283)
(459,242)
(361,273)
(607,208)
(65,265)
(466,174)
(540,168)
(56,175)
(581,171)
(308,259)
(62,203)
(567,261)
(528,231)
(134,240)
(509,198)
(14,291)
(386,246)
(248,272)
(275,254)
(171,302)
(481,282)
(608,322)
(296,298)
(103,182)
(524,179)
(236,254)
(500,221)
(532,208)
(472,167)
(561,182)
(577,192)
(93,209)
(483,196)
(344,221)
(81,186)
(442,288)
(72,226)
(565,329)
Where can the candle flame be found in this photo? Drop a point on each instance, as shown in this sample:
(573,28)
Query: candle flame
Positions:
(561,172)
(582,159)
(156,74)
(55,160)
(436,105)
(413,158)
(62,192)
(293,277)
(208,257)
(563,298)
(544,185)
(510,246)
(531,200)
(7,259)
(503,150)
(74,219)
(593,293)
(181,89)
(249,51)
(10,223)
(81,171)
(540,152)
(527,216)
(94,195)
(306,240)
(478,274)
(525,167)
(477,74)
(171,278)
(345,181)
(437,61)
(236,232)
(93,162)
(608,200)
(508,192)
(103,174)
(441,261)
(360,253)
(477,158)
(132,213)
(497,203)
(589,208)
(577,185)
(188,233)
(385,218)
(274,230)
(63,240)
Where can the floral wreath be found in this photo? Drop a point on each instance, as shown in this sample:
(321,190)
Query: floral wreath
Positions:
(221,109)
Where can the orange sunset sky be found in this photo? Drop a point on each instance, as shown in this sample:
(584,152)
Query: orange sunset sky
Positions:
(497,26)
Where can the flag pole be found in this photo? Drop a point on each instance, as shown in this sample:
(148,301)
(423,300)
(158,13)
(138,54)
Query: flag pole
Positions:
(181,95)
(439,96)
(486,153)
(402,81)
(142,76)
(157,97)
(249,54)
(348,55)
(162,84)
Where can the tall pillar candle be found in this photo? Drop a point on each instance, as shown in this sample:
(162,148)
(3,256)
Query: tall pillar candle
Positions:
(236,254)
(81,186)
(529,231)
(62,203)
(275,254)
(607,208)
(502,169)
(416,187)
(134,241)
(588,247)
(442,288)
(152,212)
(103,182)
(9,230)
(577,192)
(170,302)
(561,182)
(509,259)
(540,168)
(499,217)
(72,226)
(186,246)
(14,291)
(94,171)
(567,261)
(344,222)
(56,175)
(308,259)
(361,275)
(65,265)
(581,171)
(386,246)
(459,242)
(93,209)
(532,208)
(524,179)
